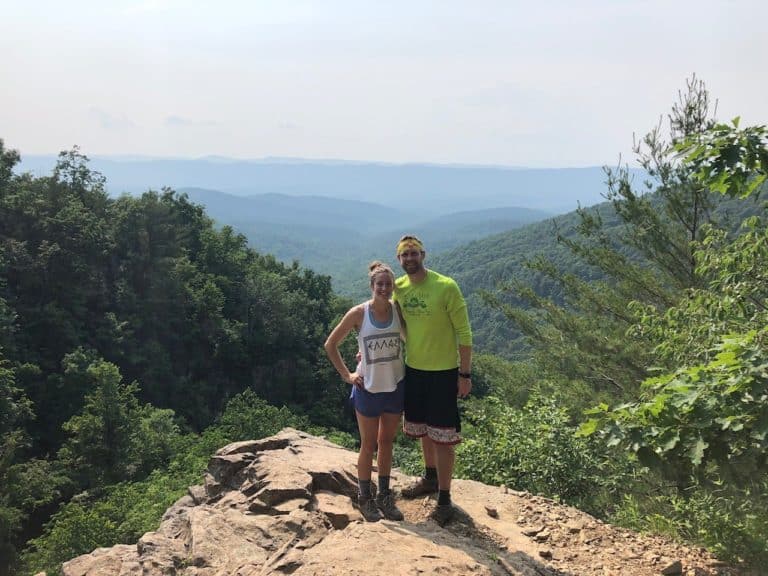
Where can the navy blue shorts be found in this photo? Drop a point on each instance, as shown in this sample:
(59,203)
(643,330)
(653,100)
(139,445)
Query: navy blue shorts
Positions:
(373,405)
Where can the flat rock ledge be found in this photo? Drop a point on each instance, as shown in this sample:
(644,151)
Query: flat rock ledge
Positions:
(285,505)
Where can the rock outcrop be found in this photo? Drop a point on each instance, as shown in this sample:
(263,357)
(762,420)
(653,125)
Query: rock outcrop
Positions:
(284,505)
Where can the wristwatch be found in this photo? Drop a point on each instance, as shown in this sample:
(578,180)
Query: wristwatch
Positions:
(467,375)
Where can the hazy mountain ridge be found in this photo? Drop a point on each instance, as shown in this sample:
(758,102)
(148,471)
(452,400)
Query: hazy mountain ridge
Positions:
(432,189)
(339,237)
(314,211)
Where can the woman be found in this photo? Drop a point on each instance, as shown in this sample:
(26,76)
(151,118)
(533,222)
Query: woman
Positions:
(377,382)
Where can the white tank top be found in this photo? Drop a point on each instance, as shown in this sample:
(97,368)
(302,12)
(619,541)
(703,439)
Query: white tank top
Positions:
(382,364)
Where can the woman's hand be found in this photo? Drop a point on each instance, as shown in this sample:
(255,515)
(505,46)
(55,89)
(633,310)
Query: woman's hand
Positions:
(356,379)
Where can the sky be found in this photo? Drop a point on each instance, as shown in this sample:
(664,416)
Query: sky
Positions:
(545,83)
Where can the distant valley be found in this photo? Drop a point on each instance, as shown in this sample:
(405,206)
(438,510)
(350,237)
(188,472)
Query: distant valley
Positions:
(335,216)
(338,237)
(429,189)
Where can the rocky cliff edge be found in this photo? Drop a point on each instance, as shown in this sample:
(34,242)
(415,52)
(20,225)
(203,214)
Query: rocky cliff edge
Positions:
(285,505)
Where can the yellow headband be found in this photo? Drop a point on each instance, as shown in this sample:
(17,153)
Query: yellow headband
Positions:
(404,245)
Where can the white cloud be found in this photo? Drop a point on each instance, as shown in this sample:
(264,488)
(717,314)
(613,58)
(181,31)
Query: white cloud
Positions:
(148,7)
(109,121)
(181,122)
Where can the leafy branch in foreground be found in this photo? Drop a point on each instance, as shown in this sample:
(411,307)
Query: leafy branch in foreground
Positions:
(732,160)
(714,413)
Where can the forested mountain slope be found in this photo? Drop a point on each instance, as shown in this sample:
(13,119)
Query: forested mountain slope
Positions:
(126,324)
(339,237)
(486,264)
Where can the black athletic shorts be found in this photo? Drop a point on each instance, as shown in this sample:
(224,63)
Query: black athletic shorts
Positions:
(431,407)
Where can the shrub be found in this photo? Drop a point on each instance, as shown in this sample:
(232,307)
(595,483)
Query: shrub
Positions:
(536,449)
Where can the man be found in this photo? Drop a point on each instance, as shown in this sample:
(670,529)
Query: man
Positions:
(438,361)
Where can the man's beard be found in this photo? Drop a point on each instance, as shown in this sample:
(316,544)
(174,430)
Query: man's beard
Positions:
(412,267)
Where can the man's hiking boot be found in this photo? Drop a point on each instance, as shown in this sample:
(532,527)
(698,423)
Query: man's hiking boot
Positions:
(443,514)
(420,487)
(386,503)
(368,509)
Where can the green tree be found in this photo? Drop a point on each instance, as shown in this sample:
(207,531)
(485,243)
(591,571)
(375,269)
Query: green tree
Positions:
(729,159)
(671,339)
(248,417)
(15,409)
(54,246)
(99,437)
(587,338)
(8,159)
(704,424)
(114,438)
(712,412)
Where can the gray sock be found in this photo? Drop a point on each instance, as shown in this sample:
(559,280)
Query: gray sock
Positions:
(365,488)
(383,484)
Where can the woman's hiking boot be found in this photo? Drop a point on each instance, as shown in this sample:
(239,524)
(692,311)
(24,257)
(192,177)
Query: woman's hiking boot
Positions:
(386,503)
(420,487)
(368,509)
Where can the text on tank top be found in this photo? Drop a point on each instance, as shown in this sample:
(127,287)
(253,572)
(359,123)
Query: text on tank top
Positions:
(382,356)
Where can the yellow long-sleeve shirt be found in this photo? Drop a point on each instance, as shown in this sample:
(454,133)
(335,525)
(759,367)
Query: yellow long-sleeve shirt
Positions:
(436,320)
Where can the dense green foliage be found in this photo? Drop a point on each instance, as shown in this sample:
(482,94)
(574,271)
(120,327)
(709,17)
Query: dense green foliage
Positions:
(535,448)
(670,340)
(710,416)
(730,160)
(187,311)
(126,323)
(123,512)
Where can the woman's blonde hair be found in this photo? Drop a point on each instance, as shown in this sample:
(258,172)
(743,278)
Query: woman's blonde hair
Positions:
(377,267)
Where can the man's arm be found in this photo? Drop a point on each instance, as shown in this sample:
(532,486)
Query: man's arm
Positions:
(465,367)
(457,310)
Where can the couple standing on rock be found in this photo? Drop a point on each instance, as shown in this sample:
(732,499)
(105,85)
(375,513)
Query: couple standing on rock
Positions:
(427,311)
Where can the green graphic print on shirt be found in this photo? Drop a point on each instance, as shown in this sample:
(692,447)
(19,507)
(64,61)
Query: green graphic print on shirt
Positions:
(436,320)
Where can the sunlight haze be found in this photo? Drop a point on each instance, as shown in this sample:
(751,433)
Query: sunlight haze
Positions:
(542,84)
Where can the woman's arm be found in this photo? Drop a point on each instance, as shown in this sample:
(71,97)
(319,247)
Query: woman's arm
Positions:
(403,332)
(352,320)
